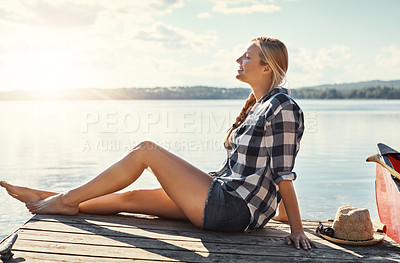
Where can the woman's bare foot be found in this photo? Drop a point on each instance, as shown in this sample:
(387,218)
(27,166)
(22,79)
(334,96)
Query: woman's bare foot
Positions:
(281,213)
(25,194)
(53,205)
(281,218)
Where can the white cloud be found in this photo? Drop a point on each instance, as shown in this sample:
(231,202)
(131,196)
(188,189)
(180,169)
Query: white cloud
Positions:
(89,26)
(173,38)
(221,69)
(332,56)
(94,41)
(243,7)
(56,14)
(204,15)
(331,64)
(389,58)
(70,13)
(338,64)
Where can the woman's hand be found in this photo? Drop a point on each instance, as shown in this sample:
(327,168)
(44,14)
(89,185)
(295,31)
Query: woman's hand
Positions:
(297,235)
(300,239)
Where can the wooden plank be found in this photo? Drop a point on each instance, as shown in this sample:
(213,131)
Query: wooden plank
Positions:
(276,230)
(149,240)
(89,238)
(156,233)
(152,222)
(273,239)
(147,221)
(120,220)
(271,233)
(274,248)
(50,248)
(35,257)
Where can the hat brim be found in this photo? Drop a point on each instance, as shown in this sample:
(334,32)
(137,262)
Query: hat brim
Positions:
(378,237)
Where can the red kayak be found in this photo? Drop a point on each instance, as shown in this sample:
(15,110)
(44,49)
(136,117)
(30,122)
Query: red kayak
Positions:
(387,190)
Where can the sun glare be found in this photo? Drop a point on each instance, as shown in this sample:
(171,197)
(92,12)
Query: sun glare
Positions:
(47,71)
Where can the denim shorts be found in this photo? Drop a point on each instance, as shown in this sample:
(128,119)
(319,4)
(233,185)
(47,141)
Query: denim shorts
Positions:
(223,211)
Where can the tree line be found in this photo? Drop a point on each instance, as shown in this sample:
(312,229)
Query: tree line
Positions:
(196,93)
(363,93)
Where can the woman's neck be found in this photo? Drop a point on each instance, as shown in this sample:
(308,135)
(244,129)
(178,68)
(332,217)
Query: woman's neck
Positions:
(260,90)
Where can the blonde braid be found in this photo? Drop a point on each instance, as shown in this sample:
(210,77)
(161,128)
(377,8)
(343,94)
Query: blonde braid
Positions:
(251,100)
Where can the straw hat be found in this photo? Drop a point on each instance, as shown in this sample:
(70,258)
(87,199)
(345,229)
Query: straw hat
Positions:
(352,226)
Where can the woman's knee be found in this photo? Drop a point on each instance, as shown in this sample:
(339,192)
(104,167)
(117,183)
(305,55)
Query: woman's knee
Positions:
(146,146)
(143,150)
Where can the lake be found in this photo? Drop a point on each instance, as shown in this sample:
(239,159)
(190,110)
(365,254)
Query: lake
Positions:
(56,145)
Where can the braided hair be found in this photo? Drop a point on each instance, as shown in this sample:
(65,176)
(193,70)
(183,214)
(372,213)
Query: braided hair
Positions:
(251,100)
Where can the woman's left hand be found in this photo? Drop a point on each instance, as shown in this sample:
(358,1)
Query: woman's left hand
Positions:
(300,239)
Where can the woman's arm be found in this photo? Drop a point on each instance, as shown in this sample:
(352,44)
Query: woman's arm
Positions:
(297,235)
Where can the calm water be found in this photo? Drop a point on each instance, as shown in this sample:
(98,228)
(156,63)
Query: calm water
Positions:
(57,145)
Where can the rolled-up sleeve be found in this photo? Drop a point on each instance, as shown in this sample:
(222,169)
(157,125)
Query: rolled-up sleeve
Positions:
(283,132)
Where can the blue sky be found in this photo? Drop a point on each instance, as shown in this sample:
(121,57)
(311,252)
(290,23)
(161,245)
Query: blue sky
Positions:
(59,44)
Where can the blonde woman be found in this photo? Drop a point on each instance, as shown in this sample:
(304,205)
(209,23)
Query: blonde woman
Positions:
(242,196)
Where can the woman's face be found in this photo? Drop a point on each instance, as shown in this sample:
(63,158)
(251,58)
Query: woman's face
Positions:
(250,68)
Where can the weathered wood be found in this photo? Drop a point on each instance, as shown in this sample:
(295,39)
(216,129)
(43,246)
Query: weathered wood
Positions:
(148,221)
(33,257)
(274,238)
(202,246)
(128,237)
(156,233)
(185,255)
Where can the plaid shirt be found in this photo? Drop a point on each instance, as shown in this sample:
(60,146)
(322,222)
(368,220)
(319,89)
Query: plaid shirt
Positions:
(263,152)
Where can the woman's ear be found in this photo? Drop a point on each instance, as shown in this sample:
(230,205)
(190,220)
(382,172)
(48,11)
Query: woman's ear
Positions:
(267,69)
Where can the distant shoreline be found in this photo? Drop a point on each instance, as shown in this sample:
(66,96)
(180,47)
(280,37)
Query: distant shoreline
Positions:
(384,93)
(382,90)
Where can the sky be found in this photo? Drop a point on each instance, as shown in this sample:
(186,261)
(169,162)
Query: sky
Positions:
(62,44)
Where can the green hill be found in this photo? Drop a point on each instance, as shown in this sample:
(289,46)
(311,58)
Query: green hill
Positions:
(375,89)
(357,85)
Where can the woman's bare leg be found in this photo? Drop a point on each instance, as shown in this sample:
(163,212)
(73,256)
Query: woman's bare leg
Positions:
(151,202)
(186,185)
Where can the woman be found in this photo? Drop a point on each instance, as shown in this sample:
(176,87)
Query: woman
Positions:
(243,195)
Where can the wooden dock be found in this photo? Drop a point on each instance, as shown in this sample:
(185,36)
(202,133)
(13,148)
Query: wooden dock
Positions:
(132,237)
